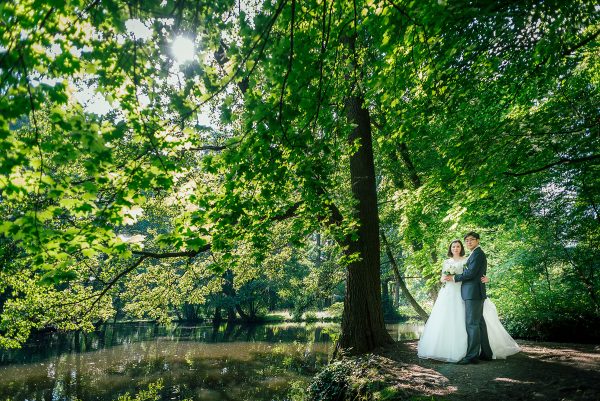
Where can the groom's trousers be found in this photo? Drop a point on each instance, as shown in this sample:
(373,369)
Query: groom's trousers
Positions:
(477,336)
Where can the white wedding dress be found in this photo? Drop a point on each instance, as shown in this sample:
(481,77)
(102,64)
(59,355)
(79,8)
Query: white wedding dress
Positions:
(445,335)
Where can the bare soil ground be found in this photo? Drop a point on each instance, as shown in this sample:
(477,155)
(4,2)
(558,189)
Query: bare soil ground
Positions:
(542,371)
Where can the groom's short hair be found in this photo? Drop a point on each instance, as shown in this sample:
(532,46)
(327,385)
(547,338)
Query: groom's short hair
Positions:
(472,234)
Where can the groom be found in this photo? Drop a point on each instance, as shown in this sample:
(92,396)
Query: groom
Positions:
(473,293)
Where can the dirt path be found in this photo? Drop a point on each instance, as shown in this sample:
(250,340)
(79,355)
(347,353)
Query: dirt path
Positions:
(542,371)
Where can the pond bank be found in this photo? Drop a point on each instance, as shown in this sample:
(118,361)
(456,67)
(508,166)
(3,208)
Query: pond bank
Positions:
(544,371)
(195,362)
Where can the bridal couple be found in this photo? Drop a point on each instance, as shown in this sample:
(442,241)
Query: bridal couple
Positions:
(463,326)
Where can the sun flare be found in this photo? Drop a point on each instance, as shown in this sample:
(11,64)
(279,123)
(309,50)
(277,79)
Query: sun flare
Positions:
(183,49)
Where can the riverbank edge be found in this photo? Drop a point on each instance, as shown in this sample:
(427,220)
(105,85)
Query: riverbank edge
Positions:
(543,370)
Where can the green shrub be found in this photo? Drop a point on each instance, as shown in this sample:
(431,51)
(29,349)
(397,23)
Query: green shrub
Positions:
(335,310)
(331,384)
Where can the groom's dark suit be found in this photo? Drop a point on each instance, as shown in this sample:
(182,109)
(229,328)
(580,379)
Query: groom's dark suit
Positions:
(473,293)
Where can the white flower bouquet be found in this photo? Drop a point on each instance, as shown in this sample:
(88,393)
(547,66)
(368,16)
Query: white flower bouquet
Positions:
(451,270)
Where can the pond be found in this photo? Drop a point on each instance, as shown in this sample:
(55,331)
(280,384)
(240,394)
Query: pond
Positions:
(229,362)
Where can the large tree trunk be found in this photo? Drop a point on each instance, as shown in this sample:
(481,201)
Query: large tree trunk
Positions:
(363,328)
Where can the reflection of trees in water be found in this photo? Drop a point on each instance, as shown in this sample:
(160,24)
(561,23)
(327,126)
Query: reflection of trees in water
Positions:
(47,345)
(252,370)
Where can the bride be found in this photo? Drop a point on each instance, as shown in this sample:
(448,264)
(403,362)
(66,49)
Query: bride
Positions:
(445,336)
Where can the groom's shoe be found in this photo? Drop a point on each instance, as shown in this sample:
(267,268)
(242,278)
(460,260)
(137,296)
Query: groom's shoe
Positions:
(485,358)
(466,361)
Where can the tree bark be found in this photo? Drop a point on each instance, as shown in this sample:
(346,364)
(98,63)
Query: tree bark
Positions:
(363,328)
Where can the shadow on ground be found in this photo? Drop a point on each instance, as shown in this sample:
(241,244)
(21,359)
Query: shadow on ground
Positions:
(544,371)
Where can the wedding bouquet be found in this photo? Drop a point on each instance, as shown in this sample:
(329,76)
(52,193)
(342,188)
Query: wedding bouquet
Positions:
(451,270)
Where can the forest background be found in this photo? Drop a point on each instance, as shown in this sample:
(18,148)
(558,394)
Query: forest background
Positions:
(308,155)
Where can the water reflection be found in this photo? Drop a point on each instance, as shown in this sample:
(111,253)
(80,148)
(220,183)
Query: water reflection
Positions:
(405,331)
(260,362)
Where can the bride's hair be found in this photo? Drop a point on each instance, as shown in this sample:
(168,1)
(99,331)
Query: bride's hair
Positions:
(462,248)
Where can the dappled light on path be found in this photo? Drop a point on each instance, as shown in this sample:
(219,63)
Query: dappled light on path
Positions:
(540,371)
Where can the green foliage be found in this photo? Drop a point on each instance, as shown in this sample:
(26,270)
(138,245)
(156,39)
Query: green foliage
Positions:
(152,394)
(206,184)
(539,291)
(310,316)
(491,147)
(356,379)
(336,309)
(390,313)
(331,383)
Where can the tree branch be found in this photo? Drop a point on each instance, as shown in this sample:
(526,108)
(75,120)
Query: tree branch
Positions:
(262,38)
(412,171)
(399,279)
(570,50)
(289,213)
(404,13)
(210,147)
(550,165)
(112,282)
(144,256)
(166,255)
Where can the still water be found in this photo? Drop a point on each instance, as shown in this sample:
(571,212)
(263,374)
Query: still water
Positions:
(260,362)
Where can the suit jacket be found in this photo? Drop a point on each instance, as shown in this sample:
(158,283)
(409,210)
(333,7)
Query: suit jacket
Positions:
(472,287)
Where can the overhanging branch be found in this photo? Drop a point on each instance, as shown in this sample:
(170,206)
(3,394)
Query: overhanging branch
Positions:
(563,160)
(335,218)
